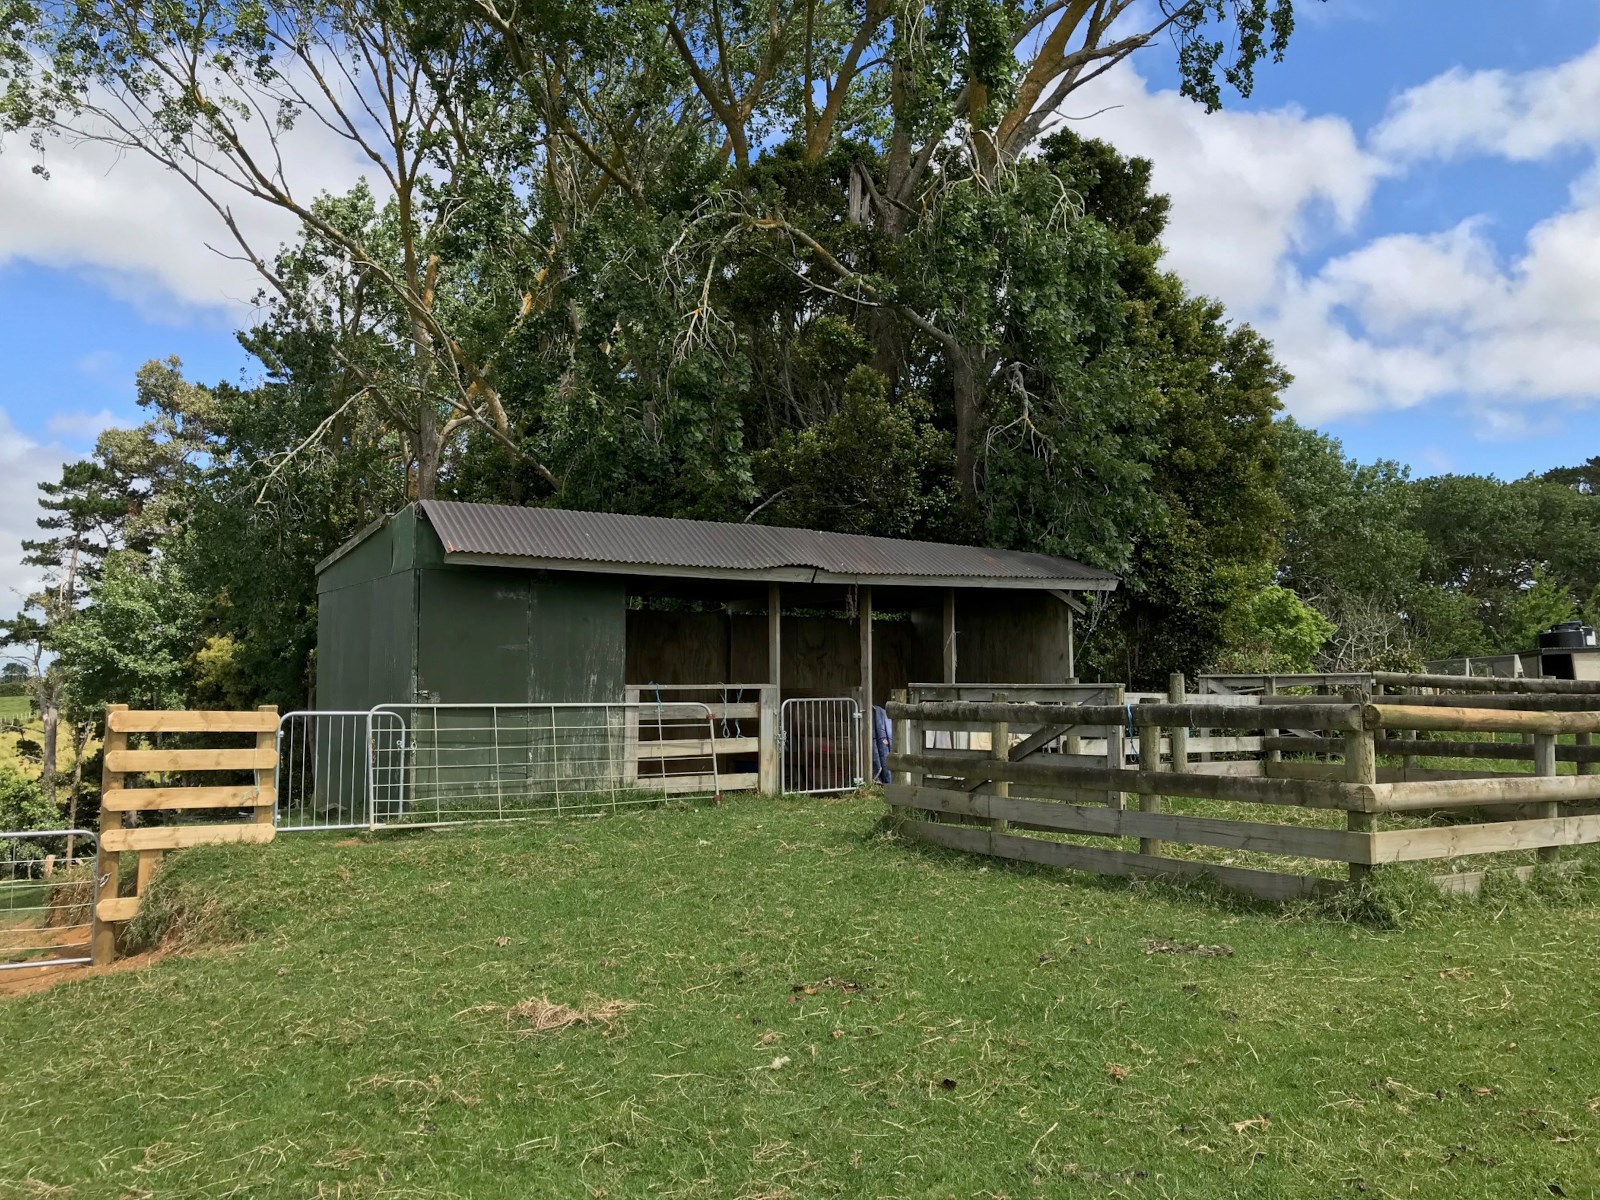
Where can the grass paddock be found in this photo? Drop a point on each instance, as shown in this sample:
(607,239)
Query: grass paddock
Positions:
(817,1009)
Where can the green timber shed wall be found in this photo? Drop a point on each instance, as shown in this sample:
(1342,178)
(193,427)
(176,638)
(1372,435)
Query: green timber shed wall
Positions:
(395,624)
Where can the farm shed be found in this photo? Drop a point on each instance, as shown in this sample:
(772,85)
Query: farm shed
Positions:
(454,603)
(475,603)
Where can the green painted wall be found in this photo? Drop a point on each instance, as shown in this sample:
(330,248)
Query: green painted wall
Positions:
(366,625)
(395,624)
(501,635)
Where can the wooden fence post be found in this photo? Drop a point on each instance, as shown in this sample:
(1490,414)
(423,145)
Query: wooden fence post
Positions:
(107,867)
(1178,693)
(902,733)
(1115,756)
(1544,763)
(1000,751)
(1585,740)
(1360,766)
(1270,688)
(267,778)
(630,738)
(1149,760)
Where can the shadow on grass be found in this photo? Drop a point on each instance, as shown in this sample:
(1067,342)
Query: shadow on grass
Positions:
(1390,899)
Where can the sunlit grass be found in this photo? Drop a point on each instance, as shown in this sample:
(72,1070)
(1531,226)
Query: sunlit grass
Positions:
(821,1009)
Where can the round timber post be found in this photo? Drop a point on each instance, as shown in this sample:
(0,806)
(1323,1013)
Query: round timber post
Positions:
(1360,766)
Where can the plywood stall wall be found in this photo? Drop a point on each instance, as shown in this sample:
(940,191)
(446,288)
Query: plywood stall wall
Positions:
(680,648)
(1009,637)
(821,655)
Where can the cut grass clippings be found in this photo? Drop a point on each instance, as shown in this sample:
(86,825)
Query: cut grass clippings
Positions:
(781,998)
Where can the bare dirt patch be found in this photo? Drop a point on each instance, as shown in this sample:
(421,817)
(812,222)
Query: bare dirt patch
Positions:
(30,981)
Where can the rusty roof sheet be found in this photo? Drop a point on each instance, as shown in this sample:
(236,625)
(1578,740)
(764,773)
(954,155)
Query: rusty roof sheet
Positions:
(561,537)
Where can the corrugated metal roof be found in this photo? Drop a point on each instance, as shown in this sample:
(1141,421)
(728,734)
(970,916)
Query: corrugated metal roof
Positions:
(565,537)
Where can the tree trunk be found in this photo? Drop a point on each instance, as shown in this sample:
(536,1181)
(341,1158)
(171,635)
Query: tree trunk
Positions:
(50,715)
(429,452)
(966,393)
(80,741)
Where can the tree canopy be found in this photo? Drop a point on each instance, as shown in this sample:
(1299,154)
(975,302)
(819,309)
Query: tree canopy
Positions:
(835,263)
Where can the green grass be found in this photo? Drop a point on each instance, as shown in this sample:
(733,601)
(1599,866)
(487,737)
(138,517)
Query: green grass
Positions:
(1011,1036)
(16,708)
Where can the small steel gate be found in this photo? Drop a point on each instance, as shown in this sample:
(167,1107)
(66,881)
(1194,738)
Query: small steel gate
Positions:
(821,744)
(325,766)
(47,887)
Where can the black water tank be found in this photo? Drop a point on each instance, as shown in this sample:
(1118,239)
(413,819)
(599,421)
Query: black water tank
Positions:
(1569,635)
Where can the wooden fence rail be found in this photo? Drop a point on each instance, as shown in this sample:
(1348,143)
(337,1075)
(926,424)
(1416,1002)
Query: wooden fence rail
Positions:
(1031,776)
(132,783)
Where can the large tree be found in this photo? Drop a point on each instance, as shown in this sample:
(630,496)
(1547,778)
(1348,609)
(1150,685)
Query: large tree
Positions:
(518,122)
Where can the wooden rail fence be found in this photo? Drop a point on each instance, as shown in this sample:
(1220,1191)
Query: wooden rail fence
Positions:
(136,782)
(1032,776)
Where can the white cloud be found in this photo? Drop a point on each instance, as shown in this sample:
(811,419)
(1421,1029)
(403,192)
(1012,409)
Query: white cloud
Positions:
(144,234)
(24,464)
(85,426)
(1248,189)
(1519,116)
(1406,318)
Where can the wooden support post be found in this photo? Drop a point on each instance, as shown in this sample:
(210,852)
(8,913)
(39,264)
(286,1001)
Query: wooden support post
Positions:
(1270,688)
(866,733)
(769,735)
(149,860)
(1585,739)
(630,739)
(1360,766)
(1378,734)
(769,762)
(1072,649)
(1115,755)
(1178,735)
(1544,763)
(774,636)
(1000,751)
(103,943)
(1073,742)
(1178,693)
(949,630)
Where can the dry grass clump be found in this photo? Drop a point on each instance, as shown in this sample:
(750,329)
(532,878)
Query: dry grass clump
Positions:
(70,898)
(540,1015)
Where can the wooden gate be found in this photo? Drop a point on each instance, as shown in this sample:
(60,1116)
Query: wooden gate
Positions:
(157,781)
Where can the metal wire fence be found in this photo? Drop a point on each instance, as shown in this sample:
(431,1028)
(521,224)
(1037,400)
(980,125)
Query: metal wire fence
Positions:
(495,762)
(47,888)
(444,764)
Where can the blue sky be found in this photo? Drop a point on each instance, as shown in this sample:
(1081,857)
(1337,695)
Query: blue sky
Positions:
(1352,57)
(1409,206)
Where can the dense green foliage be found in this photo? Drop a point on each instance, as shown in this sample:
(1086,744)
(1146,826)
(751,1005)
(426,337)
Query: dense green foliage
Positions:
(22,802)
(823,264)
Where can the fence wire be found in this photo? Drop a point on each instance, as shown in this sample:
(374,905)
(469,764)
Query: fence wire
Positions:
(46,897)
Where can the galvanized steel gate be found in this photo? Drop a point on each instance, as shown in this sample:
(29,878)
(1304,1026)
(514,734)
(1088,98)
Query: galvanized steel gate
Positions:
(821,744)
(47,887)
(447,764)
